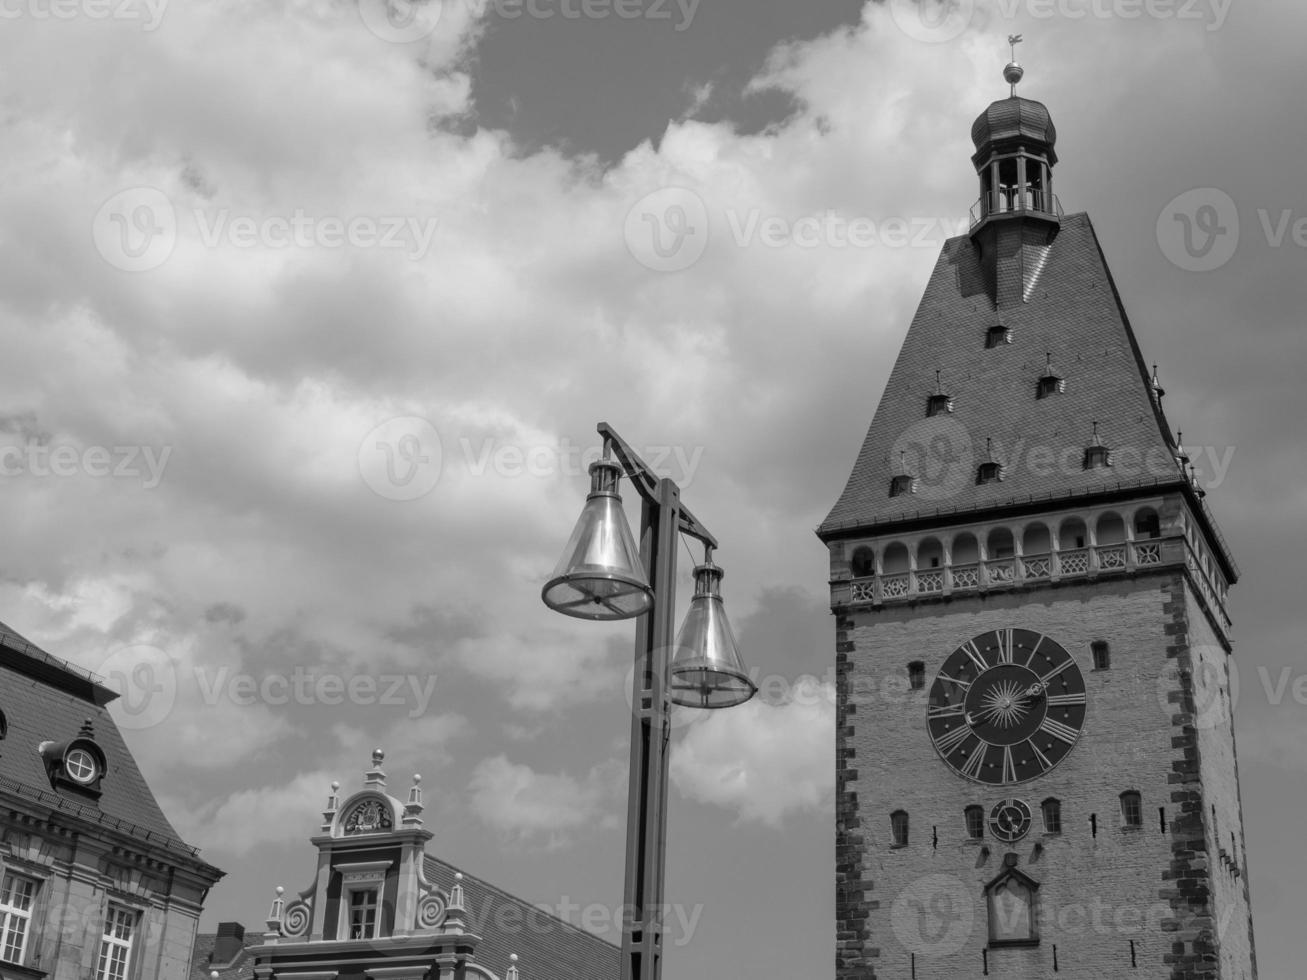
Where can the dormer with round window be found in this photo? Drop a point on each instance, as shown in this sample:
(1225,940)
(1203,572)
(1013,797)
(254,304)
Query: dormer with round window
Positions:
(77,765)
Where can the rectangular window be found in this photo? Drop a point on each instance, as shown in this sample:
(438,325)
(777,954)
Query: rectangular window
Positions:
(1052,816)
(899,828)
(116,944)
(16,896)
(363,914)
(1132,811)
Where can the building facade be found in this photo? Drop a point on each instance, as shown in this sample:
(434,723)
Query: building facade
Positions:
(1035,758)
(378,907)
(94,882)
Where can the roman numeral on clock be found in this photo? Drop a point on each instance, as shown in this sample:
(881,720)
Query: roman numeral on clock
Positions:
(1004,638)
(1065,700)
(1009,766)
(1034,650)
(969,648)
(972,767)
(946,710)
(1040,758)
(1059,731)
(1057,670)
(950,740)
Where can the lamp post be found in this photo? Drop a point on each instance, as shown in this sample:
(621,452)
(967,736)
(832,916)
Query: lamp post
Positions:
(602,577)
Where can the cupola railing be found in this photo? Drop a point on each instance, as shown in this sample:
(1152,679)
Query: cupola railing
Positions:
(1016,202)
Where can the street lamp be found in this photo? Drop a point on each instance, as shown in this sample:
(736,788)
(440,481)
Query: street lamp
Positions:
(602,577)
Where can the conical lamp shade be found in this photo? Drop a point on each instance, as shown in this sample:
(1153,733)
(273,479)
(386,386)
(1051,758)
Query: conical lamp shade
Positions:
(600,575)
(706,669)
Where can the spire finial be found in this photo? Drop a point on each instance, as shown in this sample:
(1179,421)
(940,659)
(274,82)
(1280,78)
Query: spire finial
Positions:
(938,389)
(1013,71)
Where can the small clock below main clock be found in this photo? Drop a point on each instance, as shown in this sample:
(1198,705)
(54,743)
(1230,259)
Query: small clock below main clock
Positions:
(1006,707)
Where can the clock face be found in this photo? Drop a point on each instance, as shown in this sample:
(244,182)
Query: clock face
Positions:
(1006,707)
(1009,821)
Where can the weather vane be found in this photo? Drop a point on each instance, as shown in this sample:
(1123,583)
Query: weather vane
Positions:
(1012,71)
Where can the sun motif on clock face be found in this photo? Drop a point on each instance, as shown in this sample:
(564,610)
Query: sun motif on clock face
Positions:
(1007,706)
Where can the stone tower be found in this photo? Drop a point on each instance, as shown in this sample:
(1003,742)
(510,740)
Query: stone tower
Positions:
(1035,759)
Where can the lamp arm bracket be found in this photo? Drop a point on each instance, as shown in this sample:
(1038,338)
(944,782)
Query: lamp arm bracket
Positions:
(646,482)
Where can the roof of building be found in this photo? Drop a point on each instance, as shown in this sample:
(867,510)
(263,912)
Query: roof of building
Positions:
(547,947)
(47,699)
(238,967)
(1012,119)
(1072,311)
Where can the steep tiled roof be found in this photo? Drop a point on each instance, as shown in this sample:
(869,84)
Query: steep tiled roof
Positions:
(1071,310)
(547,947)
(201,959)
(47,699)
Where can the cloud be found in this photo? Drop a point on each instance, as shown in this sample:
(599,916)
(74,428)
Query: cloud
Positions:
(288,813)
(529,806)
(763,761)
(546,671)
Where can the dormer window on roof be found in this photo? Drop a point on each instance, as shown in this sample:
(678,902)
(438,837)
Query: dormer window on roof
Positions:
(998,335)
(1156,388)
(903,482)
(1050,382)
(1097,455)
(990,471)
(78,764)
(939,403)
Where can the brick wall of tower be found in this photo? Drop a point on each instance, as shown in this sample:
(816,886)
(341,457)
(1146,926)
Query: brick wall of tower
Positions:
(855,955)
(1208,883)
(1098,894)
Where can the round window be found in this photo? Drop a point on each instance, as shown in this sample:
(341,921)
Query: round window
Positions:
(81,766)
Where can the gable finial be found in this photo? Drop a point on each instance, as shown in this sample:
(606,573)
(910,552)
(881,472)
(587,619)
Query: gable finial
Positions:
(376,777)
(1012,71)
(938,389)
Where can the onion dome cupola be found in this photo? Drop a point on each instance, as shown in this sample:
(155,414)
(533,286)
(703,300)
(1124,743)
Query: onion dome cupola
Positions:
(1017,213)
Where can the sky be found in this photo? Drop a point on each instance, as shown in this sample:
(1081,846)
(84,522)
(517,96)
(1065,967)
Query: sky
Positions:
(310,309)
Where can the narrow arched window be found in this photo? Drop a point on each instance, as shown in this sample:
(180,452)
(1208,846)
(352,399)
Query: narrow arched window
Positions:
(975,819)
(1132,810)
(898,822)
(1052,811)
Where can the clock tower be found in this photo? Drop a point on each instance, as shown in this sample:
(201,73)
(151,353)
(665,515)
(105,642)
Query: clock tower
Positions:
(1035,758)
